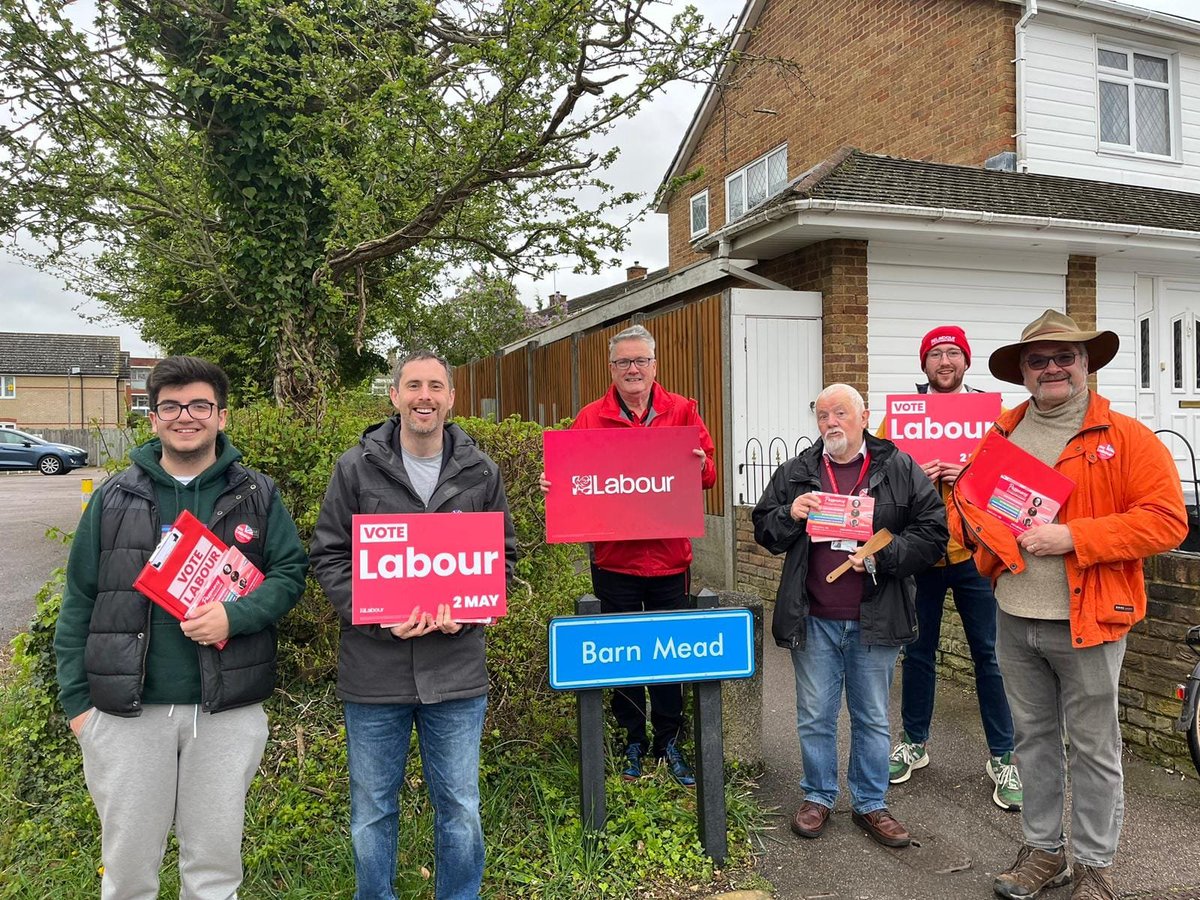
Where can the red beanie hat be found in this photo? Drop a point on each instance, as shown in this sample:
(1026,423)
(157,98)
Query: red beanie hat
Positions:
(945,334)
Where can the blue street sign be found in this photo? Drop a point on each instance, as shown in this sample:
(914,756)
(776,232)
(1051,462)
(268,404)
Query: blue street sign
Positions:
(647,648)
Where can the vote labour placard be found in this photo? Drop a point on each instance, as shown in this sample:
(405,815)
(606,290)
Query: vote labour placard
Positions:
(620,484)
(932,426)
(191,566)
(422,560)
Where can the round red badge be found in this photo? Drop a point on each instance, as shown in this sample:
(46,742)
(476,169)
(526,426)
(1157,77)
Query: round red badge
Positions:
(244,533)
(1106,451)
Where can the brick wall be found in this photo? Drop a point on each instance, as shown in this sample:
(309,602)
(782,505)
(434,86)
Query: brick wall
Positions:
(921,79)
(1081,296)
(1156,659)
(41,402)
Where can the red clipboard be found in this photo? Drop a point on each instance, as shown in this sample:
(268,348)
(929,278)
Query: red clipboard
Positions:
(191,566)
(1014,486)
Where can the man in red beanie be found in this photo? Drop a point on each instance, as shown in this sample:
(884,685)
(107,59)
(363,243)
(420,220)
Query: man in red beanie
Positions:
(945,358)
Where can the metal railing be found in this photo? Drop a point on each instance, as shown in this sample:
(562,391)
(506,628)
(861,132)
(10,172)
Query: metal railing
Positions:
(1191,543)
(755,472)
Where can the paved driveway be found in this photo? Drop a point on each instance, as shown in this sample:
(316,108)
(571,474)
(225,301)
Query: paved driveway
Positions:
(30,503)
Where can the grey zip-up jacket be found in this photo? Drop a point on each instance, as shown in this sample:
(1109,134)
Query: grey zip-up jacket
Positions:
(906,503)
(374,666)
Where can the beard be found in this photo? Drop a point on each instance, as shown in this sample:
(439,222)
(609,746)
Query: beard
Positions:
(836,446)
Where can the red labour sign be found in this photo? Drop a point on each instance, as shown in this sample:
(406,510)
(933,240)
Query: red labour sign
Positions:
(621,484)
(422,560)
(946,427)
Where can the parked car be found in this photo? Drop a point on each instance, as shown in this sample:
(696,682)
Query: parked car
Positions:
(19,450)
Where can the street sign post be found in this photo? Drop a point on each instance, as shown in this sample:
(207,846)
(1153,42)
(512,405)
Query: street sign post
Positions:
(705,645)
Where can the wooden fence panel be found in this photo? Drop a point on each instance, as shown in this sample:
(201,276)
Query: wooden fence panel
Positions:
(102,444)
(552,383)
(514,384)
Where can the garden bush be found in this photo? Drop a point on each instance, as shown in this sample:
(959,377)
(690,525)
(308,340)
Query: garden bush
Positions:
(297,842)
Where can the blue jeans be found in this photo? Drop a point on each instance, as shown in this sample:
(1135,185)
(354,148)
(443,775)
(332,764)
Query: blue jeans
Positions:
(834,656)
(977,608)
(377,739)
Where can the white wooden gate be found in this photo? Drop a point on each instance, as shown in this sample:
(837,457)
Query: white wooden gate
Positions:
(775,339)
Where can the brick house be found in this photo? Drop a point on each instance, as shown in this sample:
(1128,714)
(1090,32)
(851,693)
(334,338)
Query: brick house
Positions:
(62,380)
(965,161)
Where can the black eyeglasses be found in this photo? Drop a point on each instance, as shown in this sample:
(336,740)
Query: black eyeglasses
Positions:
(1062,360)
(168,410)
(641,362)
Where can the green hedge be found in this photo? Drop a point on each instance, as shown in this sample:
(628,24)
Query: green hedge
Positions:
(297,842)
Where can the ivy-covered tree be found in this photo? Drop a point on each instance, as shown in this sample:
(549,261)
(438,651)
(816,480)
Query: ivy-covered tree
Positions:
(275,184)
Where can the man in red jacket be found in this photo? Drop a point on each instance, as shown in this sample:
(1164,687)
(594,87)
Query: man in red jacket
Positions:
(645,575)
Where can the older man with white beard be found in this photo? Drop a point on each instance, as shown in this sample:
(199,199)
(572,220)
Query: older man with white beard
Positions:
(848,632)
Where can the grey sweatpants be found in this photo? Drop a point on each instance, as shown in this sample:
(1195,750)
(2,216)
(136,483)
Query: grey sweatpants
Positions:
(1051,685)
(172,765)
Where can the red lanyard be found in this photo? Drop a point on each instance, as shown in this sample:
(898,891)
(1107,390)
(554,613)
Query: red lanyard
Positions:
(861,473)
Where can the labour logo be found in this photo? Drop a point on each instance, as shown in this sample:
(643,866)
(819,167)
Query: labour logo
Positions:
(1106,451)
(244,533)
(583,484)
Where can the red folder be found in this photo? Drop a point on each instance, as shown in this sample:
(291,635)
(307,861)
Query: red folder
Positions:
(191,566)
(1014,486)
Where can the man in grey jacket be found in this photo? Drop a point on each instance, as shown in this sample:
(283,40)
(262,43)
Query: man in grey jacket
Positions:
(429,670)
(848,633)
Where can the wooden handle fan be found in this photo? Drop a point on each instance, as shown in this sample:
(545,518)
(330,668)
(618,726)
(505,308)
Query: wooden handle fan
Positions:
(877,542)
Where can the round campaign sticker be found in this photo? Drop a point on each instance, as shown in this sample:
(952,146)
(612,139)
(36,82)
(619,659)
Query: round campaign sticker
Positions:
(244,533)
(1106,451)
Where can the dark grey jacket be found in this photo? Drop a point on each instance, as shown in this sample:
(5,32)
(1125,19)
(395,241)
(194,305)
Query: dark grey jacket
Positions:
(906,503)
(374,666)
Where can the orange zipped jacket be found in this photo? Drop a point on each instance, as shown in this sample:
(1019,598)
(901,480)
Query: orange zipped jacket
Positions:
(1127,504)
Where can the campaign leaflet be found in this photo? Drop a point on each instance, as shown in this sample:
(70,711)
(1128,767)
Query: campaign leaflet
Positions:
(1013,485)
(841,517)
(622,484)
(946,427)
(403,562)
(191,566)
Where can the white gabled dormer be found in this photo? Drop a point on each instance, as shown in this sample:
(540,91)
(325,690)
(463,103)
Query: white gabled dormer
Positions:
(1109,91)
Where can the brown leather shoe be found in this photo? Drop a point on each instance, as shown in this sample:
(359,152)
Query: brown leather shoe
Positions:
(883,827)
(810,819)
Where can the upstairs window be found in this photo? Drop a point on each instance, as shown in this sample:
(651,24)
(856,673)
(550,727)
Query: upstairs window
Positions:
(1135,98)
(752,185)
(8,387)
(700,214)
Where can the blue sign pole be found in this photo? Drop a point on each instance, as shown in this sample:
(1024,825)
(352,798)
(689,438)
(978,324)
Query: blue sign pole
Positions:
(705,645)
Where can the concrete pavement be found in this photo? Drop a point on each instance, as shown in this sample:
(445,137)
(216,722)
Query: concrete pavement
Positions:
(961,839)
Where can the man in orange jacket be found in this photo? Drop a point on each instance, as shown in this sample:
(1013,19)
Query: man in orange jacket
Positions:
(645,575)
(1069,591)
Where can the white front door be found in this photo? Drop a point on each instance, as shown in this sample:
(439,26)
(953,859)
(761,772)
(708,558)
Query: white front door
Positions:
(775,341)
(1177,367)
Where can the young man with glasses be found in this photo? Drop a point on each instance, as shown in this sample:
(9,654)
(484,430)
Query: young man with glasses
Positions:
(945,358)
(645,575)
(172,729)
(1069,592)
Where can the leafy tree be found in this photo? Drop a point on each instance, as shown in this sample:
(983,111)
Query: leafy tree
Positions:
(481,317)
(274,184)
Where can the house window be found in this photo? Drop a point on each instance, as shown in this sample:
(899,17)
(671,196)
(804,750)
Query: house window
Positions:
(8,387)
(141,403)
(700,214)
(1144,352)
(1135,100)
(750,186)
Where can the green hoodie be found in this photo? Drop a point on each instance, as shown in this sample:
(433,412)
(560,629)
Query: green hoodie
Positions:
(172,673)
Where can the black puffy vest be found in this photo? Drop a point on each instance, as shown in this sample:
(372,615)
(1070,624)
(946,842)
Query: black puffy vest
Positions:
(240,674)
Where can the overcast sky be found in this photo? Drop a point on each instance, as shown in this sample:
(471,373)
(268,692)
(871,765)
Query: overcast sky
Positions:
(33,301)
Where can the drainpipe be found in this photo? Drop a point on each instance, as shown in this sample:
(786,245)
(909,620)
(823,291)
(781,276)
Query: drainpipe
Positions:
(1031,10)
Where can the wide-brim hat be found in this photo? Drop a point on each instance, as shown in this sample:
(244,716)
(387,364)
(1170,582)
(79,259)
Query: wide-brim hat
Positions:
(1052,325)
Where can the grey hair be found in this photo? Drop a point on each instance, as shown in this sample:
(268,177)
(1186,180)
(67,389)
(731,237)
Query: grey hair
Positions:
(416,356)
(632,333)
(856,399)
